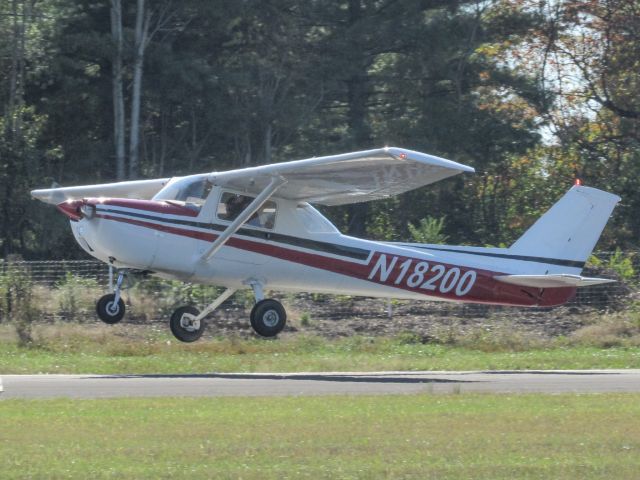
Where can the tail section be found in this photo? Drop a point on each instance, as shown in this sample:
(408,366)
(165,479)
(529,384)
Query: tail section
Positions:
(569,230)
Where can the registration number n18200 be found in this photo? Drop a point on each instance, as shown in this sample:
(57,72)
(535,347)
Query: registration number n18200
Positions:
(423,275)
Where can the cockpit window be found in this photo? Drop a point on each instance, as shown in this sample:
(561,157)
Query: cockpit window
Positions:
(191,192)
(231,205)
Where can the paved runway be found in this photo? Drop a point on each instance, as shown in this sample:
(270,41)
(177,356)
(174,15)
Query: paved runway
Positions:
(269,384)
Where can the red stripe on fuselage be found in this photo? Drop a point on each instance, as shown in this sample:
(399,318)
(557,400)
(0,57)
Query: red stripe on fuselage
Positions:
(485,289)
(147,206)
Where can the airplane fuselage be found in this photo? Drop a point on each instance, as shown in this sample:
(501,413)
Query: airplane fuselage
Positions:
(297,255)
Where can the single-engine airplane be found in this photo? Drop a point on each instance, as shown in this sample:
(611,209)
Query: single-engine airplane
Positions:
(256,228)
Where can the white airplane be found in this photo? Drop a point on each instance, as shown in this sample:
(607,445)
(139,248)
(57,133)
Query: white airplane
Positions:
(256,228)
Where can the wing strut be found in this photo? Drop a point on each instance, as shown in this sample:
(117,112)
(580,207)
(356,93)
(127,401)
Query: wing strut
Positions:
(275,183)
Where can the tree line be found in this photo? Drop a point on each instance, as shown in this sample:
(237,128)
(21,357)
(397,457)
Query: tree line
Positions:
(531,93)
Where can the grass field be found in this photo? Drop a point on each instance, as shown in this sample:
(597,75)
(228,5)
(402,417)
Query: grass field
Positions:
(457,436)
(98,349)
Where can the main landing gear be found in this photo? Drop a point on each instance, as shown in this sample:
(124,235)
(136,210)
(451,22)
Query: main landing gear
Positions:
(268,317)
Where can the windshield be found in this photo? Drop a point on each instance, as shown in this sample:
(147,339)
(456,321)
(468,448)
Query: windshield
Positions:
(190,191)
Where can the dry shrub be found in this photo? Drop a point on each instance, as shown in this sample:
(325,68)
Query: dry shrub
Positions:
(144,307)
(76,297)
(496,337)
(616,330)
(16,299)
(69,337)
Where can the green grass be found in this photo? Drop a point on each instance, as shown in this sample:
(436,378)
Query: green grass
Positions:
(84,349)
(420,436)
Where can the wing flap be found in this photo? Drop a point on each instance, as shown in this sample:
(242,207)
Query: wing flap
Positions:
(347,178)
(551,281)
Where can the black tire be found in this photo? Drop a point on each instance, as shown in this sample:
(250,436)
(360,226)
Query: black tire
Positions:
(108,311)
(181,329)
(268,317)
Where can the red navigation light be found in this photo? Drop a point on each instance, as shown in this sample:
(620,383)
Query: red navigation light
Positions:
(577,182)
(403,155)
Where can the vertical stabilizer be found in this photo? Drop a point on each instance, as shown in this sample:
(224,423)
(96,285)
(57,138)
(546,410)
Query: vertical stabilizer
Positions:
(570,229)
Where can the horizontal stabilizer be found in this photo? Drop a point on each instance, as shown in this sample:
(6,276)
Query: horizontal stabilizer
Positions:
(551,281)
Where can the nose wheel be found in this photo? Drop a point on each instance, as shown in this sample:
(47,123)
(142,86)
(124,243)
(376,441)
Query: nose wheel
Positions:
(110,309)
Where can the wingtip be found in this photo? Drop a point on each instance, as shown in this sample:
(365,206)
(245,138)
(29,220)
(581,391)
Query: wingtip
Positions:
(47,195)
(421,156)
(39,194)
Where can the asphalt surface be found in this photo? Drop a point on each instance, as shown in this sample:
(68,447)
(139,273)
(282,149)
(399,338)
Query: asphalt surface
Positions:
(295,384)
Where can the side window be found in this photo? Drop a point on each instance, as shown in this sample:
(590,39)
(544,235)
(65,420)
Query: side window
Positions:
(232,204)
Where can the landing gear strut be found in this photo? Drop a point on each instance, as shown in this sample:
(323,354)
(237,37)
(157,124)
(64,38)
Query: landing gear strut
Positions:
(187,323)
(110,308)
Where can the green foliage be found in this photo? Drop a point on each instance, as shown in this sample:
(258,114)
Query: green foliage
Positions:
(17,304)
(409,338)
(621,263)
(296,79)
(76,296)
(429,230)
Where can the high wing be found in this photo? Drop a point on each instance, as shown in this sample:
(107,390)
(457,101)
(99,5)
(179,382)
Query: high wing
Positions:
(332,180)
(139,189)
(347,178)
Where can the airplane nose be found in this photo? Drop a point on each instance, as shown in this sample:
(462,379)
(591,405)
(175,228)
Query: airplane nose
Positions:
(71,208)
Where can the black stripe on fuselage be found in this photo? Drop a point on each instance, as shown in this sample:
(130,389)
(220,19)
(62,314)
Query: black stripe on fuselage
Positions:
(523,258)
(332,248)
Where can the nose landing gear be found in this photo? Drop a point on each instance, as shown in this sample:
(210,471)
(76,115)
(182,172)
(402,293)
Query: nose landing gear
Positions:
(110,308)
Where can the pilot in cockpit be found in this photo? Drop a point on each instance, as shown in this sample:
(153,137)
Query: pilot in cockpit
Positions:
(236,204)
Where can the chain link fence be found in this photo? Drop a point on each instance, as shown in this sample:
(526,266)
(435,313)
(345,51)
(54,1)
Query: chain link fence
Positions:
(66,290)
